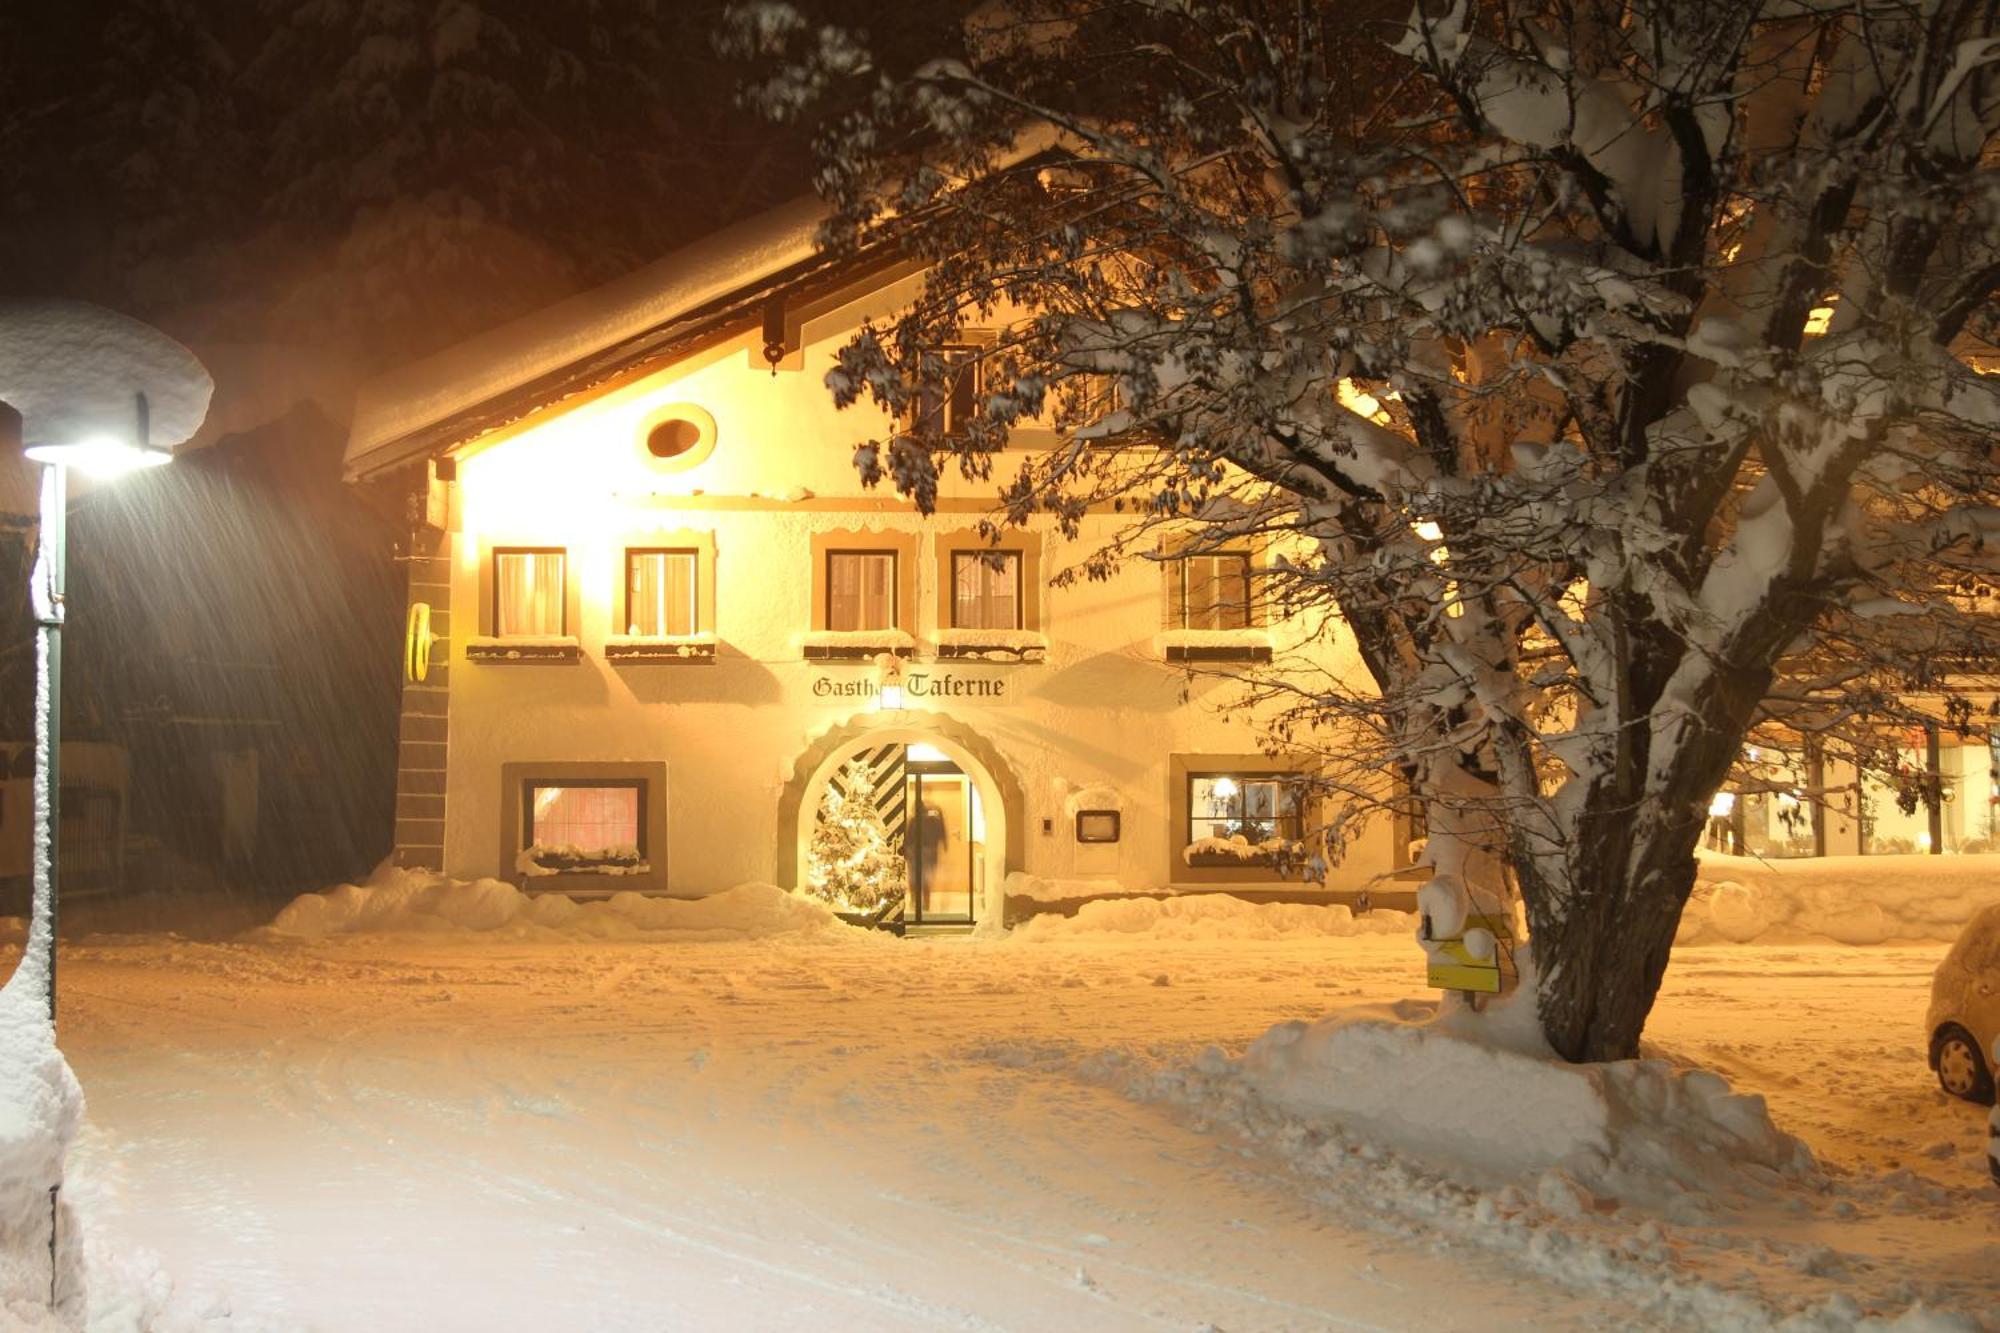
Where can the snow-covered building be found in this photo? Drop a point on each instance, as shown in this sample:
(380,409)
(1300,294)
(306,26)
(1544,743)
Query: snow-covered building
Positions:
(654,613)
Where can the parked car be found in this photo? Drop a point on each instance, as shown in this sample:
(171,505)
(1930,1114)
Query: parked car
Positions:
(1964,1021)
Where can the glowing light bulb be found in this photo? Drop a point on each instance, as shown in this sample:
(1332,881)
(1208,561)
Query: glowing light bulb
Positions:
(101,456)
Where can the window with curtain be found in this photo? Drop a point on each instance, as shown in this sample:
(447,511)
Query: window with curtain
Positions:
(593,816)
(660,592)
(528,593)
(860,590)
(1211,591)
(986,590)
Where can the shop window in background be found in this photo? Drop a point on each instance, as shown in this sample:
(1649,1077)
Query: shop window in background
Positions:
(1774,812)
(1767,808)
(1893,790)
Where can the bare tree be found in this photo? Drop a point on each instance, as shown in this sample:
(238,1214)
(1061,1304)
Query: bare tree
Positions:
(1617,363)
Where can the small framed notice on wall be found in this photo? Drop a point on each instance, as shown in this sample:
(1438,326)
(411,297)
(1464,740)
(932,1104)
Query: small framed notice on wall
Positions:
(1097,826)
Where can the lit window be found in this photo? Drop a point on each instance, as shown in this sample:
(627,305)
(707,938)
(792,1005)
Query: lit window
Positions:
(1254,807)
(660,592)
(860,590)
(528,593)
(985,590)
(583,826)
(1210,591)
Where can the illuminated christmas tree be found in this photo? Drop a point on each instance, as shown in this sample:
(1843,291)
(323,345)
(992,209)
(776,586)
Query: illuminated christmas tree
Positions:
(853,862)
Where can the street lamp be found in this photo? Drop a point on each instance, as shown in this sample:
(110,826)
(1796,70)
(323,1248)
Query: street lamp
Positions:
(96,392)
(93,391)
(103,457)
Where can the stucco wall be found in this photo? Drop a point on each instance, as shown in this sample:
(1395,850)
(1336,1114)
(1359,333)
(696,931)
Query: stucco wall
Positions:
(1103,711)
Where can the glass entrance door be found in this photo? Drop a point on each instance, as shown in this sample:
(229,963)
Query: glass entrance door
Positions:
(943,840)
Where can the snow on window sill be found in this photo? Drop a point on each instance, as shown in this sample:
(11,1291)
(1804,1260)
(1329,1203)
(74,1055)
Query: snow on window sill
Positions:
(690,649)
(524,648)
(856,645)
(991,645)
(540,860)
(1235,850)
(1214,645)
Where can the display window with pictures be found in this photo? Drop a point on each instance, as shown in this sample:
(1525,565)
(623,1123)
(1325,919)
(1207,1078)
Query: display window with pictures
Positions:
(1234,815)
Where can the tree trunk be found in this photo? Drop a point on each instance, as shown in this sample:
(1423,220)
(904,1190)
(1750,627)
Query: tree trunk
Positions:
(1600,968)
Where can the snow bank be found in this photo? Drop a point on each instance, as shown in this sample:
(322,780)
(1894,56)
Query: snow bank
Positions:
(1637,1130)
(397,901)
(1846,899)
(1210,916)
(1050,889)
(40,1104)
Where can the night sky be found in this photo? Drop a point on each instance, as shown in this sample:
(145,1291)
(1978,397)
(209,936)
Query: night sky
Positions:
(308,192)
(372,179)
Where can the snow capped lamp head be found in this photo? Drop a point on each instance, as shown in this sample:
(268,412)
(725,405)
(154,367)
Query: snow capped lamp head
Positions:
(97,391)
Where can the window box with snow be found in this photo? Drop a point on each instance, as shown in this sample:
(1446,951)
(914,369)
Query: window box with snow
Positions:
(1215,645)
(863,596)
(669,604)
(989,607)
(1235,816)
(586,828)
(858,646)
(986,645)
(525,613)
(666,649)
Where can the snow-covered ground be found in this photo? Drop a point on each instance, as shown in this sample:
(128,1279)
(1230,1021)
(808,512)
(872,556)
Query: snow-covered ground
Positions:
(545,1128)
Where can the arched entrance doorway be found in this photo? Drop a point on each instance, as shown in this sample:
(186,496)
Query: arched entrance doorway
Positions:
(945,793)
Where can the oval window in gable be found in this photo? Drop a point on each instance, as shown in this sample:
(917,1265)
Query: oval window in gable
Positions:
(677,436)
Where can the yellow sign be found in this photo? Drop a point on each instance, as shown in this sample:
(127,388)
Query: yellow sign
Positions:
(1454,967)
(417,642)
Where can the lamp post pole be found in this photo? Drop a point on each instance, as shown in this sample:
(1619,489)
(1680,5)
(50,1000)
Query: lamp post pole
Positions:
(51,557)
(82,384)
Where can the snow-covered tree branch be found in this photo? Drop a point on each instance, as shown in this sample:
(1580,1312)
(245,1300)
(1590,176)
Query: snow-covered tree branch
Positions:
(1621,367)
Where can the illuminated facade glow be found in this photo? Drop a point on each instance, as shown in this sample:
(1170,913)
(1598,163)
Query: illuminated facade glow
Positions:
(801,621)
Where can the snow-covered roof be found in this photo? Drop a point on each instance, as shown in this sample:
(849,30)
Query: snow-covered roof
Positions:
(406,406)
